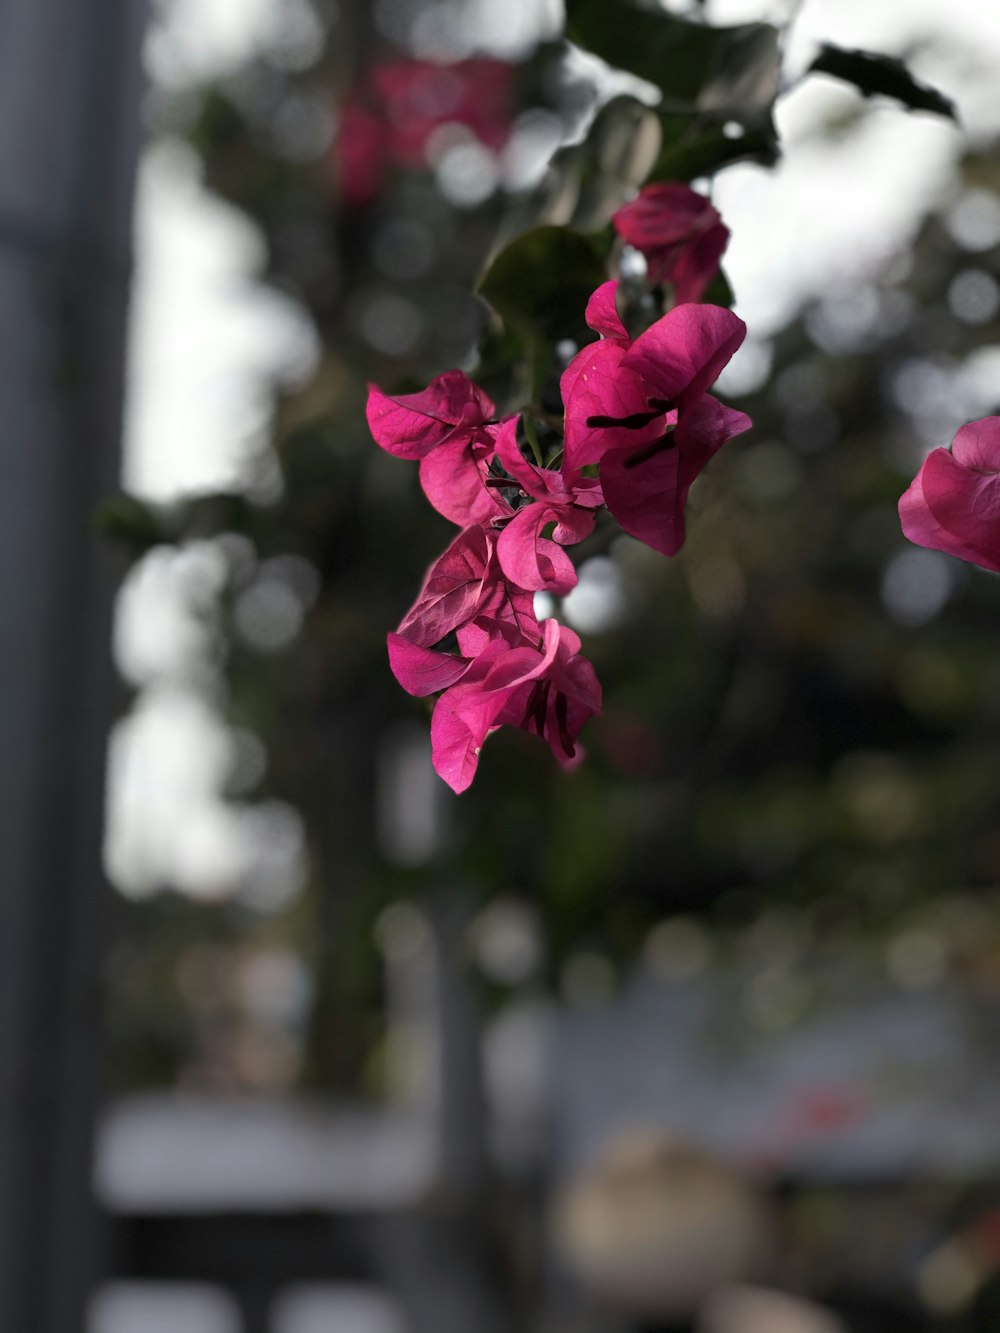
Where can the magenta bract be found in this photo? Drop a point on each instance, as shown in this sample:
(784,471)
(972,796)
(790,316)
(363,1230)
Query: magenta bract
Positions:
(640,410)
(550,691)
(680,235)
(566,499)
(953,504)
(411,425)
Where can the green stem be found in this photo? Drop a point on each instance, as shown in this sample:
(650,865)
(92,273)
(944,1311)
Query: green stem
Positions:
(532,436)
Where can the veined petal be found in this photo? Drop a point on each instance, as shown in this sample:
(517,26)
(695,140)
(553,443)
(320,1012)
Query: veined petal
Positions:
(411,425)
(452,479)
(423,671)
(453,589)
(921,527)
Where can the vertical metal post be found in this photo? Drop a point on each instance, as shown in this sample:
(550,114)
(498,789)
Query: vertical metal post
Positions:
(69,94)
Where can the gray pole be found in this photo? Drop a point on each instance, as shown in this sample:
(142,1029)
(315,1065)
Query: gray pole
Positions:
(69,95)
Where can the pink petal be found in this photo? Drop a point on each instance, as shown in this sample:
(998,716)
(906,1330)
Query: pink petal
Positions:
(977,445)
(530,478)
(513,608)
(452,478)
(410,425)
(452,591)
(602,389)
(954,509)
(647,500)
(663,213)
(648,496)
(698,264)
(602,314)
(422,671)
(533,561)
(574,525)
(680,355)
(464,716)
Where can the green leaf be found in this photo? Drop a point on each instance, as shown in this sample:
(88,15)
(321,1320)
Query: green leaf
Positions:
(883,75)
(681,58)
(540,283)
(585,182)
(744,82)
(719,292)
(687,157)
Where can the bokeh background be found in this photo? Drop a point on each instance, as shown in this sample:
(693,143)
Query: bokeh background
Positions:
(702,1036)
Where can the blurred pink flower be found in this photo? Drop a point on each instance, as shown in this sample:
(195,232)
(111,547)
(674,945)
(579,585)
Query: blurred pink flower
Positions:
(953,504)
(680,235)
(390,118)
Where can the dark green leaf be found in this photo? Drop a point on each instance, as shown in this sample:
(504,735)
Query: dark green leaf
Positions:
(540,283)
(685,158)
(681,58)
(719,292)
(744,83)
(585,182)
(880,74)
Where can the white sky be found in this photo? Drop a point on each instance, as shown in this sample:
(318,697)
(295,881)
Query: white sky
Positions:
(207,340)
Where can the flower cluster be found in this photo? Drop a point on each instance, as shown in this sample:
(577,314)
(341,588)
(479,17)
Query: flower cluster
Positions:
(639,426)
(953,504)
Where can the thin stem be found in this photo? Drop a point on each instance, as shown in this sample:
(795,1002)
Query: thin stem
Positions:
(532,436)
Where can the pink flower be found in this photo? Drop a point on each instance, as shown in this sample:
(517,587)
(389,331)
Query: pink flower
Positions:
(953,504)
(448,427)
(550,691)
(466,585)
(680,234)
(566,499)
(640,409)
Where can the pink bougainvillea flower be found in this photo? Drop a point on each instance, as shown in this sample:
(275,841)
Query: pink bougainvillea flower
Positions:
(680,235)
(550,691)
(448,427)
(953,504)
(567,499)
(466,585)
(640,409)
